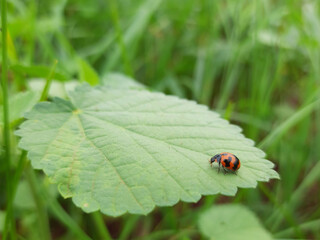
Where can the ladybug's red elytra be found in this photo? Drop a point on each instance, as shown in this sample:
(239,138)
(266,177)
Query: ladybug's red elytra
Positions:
(228,161)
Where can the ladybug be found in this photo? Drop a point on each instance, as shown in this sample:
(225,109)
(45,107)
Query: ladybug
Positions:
(228,161)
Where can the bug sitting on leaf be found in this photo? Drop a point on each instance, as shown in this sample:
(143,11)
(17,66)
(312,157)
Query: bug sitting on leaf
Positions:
(228,161)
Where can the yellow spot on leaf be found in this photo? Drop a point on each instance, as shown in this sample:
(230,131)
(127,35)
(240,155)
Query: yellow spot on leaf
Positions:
(77,111)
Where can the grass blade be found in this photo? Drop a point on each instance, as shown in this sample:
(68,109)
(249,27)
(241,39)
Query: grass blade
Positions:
(100,225)
(308,226)
(289,123)
(134,32)
(6,128)
(44,228)
(124,55)
(46,88)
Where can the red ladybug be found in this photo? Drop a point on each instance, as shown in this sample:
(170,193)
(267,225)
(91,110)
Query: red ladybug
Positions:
(228,161)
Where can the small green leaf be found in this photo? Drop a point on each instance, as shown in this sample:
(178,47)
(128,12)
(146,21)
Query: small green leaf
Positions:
(123,149)
(21,103)
(232,222)
(87,73)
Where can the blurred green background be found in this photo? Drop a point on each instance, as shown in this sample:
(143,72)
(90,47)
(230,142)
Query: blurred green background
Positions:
(257,63)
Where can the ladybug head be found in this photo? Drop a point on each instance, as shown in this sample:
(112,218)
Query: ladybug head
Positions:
(215,158)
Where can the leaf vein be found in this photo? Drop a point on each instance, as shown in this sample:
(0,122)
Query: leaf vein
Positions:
(105,157)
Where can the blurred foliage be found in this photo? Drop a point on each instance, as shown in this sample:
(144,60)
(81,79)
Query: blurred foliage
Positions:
(256,62)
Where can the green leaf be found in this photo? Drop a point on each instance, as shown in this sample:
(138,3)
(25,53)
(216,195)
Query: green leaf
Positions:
(87,73)
(117,80)
(21,103)
(232,222)
(123,149)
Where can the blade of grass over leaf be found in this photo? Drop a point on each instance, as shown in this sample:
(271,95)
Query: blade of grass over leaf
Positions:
(128,149)
(45,91)
(87,73)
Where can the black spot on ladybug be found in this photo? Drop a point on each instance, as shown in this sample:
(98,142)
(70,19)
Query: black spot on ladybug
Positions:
(236,163)
(224,154)
(227,162)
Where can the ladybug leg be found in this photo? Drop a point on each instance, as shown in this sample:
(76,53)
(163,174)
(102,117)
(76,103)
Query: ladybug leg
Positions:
(219,167)
(225,171)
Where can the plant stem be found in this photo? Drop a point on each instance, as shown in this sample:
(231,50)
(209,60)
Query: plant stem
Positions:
(18,172)
(56,209)
(284,211)
(14,186)
(53,205)
(40,208)
(129,225)
(101,227)
(6,128)
(313,225)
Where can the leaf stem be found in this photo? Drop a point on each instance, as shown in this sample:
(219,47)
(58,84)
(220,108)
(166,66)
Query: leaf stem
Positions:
(101,226)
